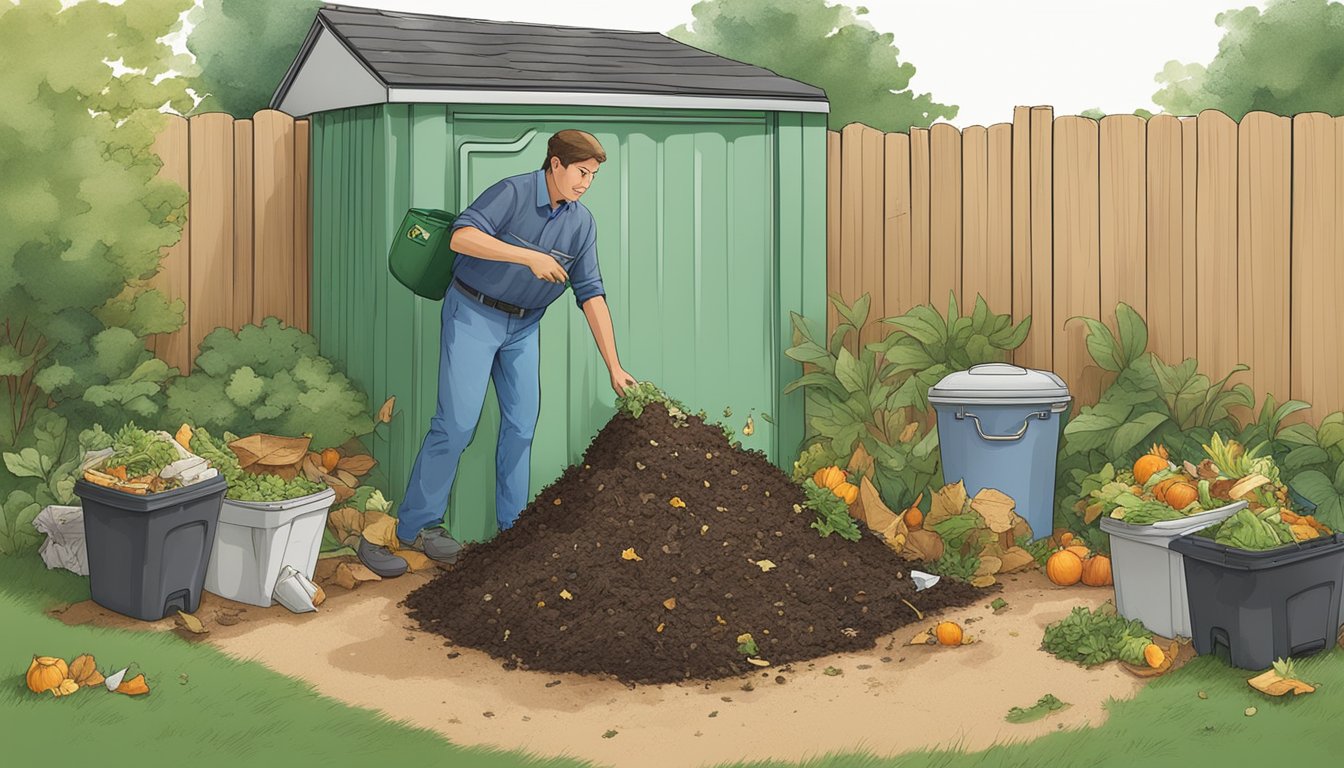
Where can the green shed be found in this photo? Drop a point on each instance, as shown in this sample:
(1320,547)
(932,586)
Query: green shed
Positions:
(710,208)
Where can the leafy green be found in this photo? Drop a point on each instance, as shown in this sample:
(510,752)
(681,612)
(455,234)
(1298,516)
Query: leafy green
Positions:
(832,512)
(955,564)
(141,452)
(1095,637)
(1255,532)
(1286,668)
(1043,706)
(748,648)
(812,459)
(244,485)
(955,531)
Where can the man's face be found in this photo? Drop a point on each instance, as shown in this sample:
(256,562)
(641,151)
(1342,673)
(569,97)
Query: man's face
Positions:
(571,182)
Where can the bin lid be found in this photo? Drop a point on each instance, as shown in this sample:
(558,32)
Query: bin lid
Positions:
(999,383)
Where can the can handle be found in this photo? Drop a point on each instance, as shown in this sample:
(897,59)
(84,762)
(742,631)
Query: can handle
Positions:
(1042,415)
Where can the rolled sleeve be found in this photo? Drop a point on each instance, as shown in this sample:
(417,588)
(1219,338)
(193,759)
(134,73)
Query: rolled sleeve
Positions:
(585,278)
(491,211)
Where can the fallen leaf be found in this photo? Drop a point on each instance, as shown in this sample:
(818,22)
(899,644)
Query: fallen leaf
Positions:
(382,532)
(989,565)
(269,450)
(629,554)
(660,627)
(870,510)
(229,619)
(948,501)
(677,502)
(114,681)
(922,545)
(356,465)
(192,623)
(319,595)
(720,620)
(344,577)
(765,565)
(1014,559)
(670,603)
(565,595)
(758,662)
(385,413)
(84,672)
(416,561)
(861,462)
(996,507)
(704,529)
(980,582)
(136,686)
(345,523)
(832,672)
(66,688)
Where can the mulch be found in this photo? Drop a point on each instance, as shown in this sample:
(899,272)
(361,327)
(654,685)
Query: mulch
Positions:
(823,595)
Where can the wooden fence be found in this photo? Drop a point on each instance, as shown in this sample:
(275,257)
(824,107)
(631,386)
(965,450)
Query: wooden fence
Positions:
(246,246)
(1228,238)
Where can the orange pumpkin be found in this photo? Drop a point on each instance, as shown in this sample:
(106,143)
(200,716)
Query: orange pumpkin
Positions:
(46,673)
(1064,568)
(829,477)
(1097,571)
(948,633)
(1160,490)
(1181,495)
(1154,655)
(1078,549)
(846,491)
(1150,464)
(914,518)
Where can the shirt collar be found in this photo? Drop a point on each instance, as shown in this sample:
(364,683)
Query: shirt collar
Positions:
(544,197)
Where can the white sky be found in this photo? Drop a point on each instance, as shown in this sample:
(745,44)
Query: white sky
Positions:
(986,56)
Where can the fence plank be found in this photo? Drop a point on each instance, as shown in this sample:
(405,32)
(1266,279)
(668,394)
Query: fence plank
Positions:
(1315,316)
(1077,244)
(1165,255)
(1123,256)
(974,215)
(920,215)
(244,202)
(999,285)
(851,210)
(274,239)
(303,228)
(1190,233)
(1217,346)
(1264,181)
(833,224)
(1039,347)
(211,297)
(896,235)
(173,279)
(872,228)
(1021,205)
(945,182)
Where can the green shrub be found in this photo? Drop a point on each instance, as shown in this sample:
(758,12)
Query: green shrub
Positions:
(269,378)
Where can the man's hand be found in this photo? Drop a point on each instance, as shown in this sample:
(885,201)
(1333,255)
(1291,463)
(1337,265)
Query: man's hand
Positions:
(620,380)
(545,267)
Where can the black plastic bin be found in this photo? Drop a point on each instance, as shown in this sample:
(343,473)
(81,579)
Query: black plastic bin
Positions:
(148,554)
(1262,606)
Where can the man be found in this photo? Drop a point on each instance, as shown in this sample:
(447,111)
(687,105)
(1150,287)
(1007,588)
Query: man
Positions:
(517,247)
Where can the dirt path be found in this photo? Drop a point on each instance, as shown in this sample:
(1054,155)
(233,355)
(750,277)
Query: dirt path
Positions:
(360,650)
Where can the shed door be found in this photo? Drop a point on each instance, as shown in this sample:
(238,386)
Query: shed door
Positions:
(683,211)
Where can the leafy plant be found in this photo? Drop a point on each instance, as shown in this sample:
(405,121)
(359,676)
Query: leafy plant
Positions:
(812,459)
(832,512)
(1043,706)
(269,378)
(955,564)
(45,475)
(1286,668)
(248,486)
(1096,637)
(869,397)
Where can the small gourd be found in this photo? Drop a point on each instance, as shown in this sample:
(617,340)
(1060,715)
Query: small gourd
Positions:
(1064,568)
(948,633)
(1097,571)
(1151,463)
(847,491)
(829,477)
(46,673)
(1154,655)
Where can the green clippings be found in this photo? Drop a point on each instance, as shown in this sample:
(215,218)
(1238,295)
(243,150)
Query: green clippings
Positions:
(1254,532)
(644,394)
(1043,706)
(832,512)
(609,735)
(955,565)
(832,671)
(1095,637)
(141,452)
(955,531)
(748,647)
(998,605)
(247,486)
(1286,668)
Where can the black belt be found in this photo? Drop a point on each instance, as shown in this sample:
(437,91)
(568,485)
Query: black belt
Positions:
(503,306)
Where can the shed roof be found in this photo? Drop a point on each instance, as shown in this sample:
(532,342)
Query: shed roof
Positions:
(355,56)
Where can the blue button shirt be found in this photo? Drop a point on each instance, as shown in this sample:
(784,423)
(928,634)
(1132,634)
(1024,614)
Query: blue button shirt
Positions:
(518,209)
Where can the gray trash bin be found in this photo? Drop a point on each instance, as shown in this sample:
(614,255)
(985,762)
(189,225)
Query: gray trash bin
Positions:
(998,427)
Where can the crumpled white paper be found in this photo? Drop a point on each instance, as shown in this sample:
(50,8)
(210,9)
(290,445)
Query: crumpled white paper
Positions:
(64,547)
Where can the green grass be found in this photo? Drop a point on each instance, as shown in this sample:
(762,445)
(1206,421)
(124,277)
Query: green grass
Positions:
(226,712)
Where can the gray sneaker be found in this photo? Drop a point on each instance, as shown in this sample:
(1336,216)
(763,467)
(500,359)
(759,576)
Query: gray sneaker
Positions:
(381,560)
(436,544)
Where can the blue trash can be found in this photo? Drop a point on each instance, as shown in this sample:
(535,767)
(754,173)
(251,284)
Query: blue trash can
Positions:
(999,427)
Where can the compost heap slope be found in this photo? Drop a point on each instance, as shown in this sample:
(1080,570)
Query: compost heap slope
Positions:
(555,592)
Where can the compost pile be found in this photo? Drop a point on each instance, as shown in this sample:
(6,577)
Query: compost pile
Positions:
(651,558)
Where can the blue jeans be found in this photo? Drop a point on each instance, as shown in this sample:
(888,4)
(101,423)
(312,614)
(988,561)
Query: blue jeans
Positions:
(478,344)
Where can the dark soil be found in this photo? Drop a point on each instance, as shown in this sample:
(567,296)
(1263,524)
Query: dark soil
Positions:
(825,595)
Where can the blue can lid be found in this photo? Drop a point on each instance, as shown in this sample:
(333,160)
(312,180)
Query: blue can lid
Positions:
(991,383)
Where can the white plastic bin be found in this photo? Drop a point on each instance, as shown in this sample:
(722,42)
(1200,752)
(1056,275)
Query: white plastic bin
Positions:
(1149,576)
(256,540)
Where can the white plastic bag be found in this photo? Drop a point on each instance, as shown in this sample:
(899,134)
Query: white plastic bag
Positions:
(64,546)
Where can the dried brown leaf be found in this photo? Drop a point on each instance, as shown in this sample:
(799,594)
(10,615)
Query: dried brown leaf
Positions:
(345,522)
(416,561)
(381,531)
(358,465)
(922,545)
(861,462)
(84,671)
(1014,559)
(1272,684)
(361,573)
(980,582)
(136,686)
(870,510)
(191,623)
(670,603)
(997,508)
(269,450)
(385,413)
(989,565)
(948,501)
(347,478)
(345,577)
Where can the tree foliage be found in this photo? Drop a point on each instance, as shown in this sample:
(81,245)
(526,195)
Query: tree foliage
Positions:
(244,48)
(829,47)
(1286,59)
(85,216)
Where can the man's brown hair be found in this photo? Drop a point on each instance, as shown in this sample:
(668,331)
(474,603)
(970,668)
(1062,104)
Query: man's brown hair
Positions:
(573,146)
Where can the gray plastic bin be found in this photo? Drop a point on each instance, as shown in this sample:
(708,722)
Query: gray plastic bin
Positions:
(148,554)
(1149,576)
(998,427)
(1262,606)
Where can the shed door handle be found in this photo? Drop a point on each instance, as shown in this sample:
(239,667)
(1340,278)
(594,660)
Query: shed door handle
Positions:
(1042,415)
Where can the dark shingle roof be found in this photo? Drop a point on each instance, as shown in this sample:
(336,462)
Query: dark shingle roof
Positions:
(409,50)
